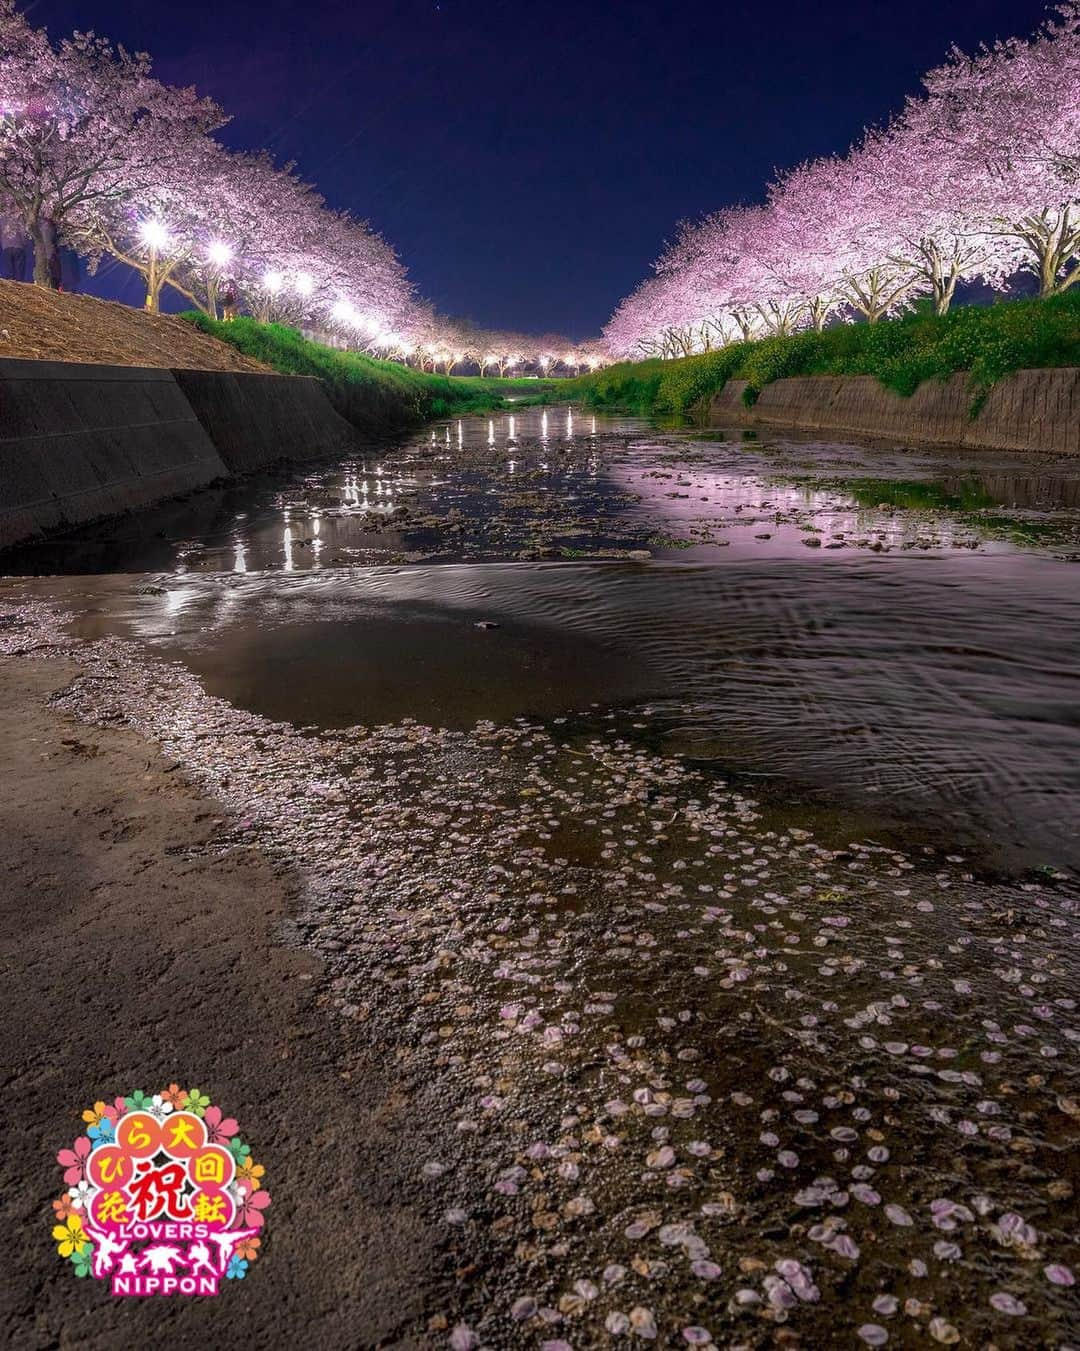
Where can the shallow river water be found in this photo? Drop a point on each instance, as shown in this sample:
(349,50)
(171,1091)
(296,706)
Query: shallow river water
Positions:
(697,816)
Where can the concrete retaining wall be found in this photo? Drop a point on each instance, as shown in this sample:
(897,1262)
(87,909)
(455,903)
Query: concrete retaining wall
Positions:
(1036,410)
(78,443)
(258,420)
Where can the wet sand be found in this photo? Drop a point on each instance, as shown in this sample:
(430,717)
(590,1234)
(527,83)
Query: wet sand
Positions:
(143,945)
(670,1065)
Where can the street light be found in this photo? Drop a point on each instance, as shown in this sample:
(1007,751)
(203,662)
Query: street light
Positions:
(272,283)
(155,236)
(218,255)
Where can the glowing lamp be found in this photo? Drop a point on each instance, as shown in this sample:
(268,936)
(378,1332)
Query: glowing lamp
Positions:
(219,253)
(153,234)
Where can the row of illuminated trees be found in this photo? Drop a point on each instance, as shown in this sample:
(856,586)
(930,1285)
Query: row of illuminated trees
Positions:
(98,155)
(977,180)
(435,342)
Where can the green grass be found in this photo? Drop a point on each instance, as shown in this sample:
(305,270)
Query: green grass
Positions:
(917,494)
(968,502)
(986,341)
(376,396)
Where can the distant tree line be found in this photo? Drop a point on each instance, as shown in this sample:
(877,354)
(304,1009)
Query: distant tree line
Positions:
(99,157)
(976,180)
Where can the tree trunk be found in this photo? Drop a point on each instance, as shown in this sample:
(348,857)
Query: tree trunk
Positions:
(818,311)
(1054,245)
(1052,261)
(153,286)
(944,290)
(46,254)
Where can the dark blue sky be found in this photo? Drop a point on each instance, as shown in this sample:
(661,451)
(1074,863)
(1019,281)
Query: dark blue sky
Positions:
(528,160)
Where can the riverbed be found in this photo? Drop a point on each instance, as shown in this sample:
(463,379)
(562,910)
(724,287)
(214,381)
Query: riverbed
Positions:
(695,814)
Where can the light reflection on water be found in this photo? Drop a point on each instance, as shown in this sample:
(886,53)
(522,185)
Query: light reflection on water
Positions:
(553,482)
(928,687)
(836,994)
(861,621)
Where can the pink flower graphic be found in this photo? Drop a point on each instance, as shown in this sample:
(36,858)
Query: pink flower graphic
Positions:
(219,1129)
(249,1213)
(73,1161)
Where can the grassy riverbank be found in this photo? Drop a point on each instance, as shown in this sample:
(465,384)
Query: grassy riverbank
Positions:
(989,342)
(374,395)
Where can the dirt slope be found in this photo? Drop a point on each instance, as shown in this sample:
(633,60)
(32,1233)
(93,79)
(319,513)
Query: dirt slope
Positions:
(50,326)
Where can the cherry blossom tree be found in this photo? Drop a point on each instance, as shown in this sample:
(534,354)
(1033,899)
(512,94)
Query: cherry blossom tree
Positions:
(159,230)
(261,218)
(506,359)
(974,180)
(844,197)
(799,255)
(83,124)
(929,227)
(1008,118)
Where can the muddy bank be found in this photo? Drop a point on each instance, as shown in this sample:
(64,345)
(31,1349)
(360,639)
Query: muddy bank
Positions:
(41,325)
(143,947)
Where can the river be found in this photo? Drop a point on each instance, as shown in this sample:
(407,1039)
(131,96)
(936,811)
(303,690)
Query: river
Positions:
(701,810)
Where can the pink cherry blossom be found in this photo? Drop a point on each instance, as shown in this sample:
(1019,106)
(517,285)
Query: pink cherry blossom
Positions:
(219,1129)
(73,1161)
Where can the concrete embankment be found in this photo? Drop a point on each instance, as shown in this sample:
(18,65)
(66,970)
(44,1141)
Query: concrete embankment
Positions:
(82,442)
(1036,410)
(256,420)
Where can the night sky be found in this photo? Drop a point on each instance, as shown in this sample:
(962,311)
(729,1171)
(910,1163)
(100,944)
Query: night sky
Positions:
(528,161)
